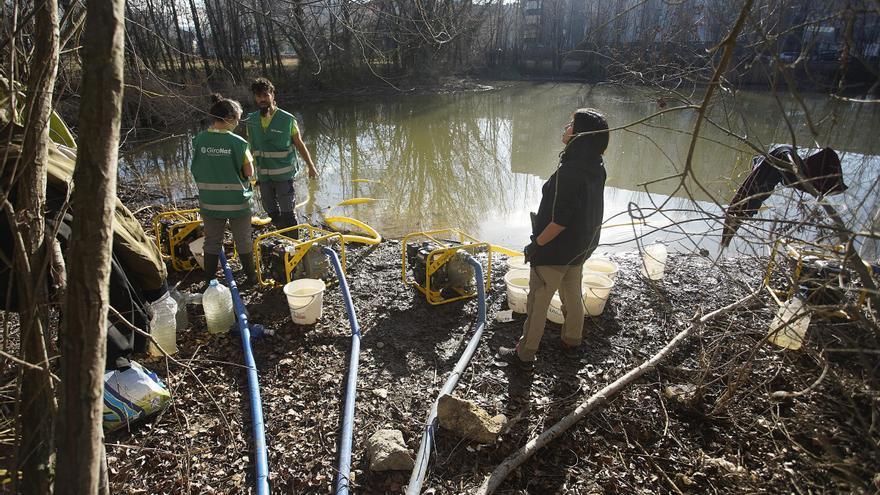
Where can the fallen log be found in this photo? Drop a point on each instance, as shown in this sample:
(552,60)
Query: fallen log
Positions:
(494,480)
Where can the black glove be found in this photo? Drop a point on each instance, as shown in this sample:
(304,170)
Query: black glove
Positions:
(529,251)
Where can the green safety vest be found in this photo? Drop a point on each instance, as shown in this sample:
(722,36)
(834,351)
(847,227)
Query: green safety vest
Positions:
(218,158)
(272,147)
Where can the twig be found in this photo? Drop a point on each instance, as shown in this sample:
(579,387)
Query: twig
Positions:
(858,351)
(782,394)
(26,364)
(665,414)
(142,209)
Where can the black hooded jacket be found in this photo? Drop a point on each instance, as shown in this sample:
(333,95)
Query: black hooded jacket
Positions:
(572,197)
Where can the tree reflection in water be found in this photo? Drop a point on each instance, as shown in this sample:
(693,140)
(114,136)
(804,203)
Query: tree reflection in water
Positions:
(476,161)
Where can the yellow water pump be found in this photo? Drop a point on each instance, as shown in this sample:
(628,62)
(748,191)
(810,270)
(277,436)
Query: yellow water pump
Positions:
(435,262)
(174,230)
(294,252)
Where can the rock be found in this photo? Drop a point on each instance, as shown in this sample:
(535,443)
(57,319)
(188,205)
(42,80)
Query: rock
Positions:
(380,392)
(683,394)
(723,465)
(388,451)
(469,420)
(685,480)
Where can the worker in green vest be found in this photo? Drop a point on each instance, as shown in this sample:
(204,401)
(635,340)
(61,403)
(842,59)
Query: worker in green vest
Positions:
(271,132)
(222,167)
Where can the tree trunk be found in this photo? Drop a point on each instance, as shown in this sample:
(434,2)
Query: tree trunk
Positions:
(300,42)
(270,40)
(219,37)
(140,49)
(197,24)
(163,44)
(180,48)
(236,43)
(80,434)
(347,55)
(37,399)
(259,19)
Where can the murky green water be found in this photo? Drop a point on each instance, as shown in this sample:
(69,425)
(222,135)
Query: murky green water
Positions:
(476,161)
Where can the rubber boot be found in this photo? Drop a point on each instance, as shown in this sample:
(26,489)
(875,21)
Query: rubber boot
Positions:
(249,268)
(288,219)
(211,262)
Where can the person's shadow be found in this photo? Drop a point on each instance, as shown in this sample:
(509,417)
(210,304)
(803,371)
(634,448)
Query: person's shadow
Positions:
(519,388)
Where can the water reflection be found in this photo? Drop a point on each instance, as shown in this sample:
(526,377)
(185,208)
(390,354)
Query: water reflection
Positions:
(476,161)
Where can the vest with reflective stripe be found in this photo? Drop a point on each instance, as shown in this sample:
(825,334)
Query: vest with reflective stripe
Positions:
(217,161)
(272,147)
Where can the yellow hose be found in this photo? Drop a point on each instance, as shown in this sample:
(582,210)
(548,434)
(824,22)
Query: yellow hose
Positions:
(504,250)
(374,238)
(357,201)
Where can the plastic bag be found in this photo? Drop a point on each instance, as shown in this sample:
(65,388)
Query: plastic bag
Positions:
(131,395)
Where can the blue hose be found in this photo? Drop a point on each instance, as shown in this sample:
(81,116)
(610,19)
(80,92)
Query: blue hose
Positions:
(260,460)
(424,456)
(344,470)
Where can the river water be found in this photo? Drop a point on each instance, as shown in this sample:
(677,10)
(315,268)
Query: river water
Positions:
(476,161)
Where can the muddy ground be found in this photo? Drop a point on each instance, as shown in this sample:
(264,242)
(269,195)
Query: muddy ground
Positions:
(729,436)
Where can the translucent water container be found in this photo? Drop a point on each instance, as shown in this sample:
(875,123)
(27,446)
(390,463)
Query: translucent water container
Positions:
(181,298)
(163,325)
(654,261)
(217,301)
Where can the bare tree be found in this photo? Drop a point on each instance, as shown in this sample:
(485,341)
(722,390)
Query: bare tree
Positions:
(80,433)
(36,405)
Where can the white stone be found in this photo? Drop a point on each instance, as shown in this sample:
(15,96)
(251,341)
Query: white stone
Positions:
(469,420)
(388,451)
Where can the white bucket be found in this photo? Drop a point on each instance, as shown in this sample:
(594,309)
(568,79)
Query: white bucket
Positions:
(596,288)
(654,261)
(517,282)
(601,266)
(305,297)
(197,248)
(554,312)
(517,263)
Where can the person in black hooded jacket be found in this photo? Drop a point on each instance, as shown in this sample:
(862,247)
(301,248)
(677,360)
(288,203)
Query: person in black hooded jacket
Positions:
(565,232)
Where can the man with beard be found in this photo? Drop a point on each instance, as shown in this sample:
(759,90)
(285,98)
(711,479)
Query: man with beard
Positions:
(271,132)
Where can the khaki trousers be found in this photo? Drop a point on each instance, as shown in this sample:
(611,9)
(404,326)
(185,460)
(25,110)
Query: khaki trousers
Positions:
(544,281)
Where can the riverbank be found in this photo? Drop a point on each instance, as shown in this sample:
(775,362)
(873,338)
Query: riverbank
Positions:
(154,106)
(724,434)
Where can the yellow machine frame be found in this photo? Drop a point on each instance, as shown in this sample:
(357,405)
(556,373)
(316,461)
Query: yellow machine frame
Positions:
(313,235)
(189,220)
(797,251)
(440,256)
